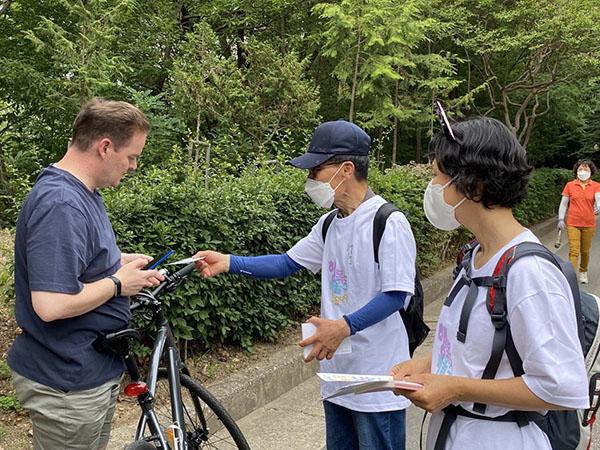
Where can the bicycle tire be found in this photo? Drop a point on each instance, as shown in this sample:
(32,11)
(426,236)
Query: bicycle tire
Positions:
(208,424)
(140,445)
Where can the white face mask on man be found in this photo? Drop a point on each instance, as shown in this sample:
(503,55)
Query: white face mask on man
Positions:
(438,212)
(583,175)
(321,192)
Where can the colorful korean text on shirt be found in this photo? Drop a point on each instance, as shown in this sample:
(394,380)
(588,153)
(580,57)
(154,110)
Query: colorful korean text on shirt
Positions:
(444,365)
(338,283)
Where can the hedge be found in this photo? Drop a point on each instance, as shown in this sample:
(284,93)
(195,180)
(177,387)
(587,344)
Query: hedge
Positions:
(262,211)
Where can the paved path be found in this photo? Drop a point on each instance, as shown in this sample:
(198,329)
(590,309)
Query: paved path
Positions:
(295,421)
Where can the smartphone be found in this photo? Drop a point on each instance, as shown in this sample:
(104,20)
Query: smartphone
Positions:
(157,260)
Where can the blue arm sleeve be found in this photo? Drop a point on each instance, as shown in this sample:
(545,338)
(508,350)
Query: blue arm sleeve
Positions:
(267,266)
(382,306)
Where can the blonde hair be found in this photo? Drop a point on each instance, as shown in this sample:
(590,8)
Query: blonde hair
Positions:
(100,118)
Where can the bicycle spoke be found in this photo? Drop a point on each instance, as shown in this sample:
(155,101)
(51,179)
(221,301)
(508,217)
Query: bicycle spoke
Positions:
(207,423)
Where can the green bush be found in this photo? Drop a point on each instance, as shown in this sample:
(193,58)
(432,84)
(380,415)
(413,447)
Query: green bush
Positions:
(404,186)
(9,402)
(260,212)
(543,195)
(265,211)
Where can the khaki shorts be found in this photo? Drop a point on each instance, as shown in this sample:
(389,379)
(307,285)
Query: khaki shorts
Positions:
(68,420)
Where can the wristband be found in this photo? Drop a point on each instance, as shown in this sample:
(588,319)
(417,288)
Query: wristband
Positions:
(117,286)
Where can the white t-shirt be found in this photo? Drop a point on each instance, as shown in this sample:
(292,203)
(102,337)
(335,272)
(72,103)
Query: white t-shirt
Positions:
(349,280)
(544,329)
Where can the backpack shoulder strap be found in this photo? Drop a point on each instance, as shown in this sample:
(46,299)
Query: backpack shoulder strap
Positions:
(566,267)
(463,261)
(379,222)
(496,305)
(327,223)
(465,253)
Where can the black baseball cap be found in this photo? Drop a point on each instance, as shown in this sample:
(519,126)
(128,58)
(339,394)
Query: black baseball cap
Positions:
(338,137)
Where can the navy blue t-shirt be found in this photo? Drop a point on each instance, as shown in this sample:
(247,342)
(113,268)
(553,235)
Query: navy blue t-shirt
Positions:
(63,240)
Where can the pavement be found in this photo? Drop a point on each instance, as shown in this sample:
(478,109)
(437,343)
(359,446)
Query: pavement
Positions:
(277,406)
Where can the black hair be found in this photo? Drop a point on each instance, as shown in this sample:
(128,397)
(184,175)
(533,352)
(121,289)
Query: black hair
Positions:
(587,162)
(361,164)
(487,164)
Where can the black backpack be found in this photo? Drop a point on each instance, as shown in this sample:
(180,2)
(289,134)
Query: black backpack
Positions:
(566,430)
(416,329)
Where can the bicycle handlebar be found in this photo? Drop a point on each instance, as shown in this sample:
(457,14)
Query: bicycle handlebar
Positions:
(186,270)
(170,283)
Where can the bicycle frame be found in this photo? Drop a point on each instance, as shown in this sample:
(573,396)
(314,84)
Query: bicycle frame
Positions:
(165,349)
(164,344)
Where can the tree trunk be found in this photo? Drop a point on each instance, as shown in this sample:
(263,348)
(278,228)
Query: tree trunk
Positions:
(83,35)
(419,154)
(395,139)
(206,170)
(241,59)
(395,142)
(164,73)
(2,166)
(354,80)
(194,142)
(282,30)
(378,158)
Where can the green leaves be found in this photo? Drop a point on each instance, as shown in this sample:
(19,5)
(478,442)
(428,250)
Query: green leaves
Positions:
(265,211)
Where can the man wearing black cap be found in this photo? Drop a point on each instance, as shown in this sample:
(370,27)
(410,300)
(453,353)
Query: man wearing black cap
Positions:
(358,296)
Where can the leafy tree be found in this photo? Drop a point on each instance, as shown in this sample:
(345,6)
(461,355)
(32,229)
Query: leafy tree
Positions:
(378,49)
(284,24)
(524,49)
(348,27)
(198,82)
(147,40)
(406,74)
(266,98)
(55,56)
(277,96)
(591,126)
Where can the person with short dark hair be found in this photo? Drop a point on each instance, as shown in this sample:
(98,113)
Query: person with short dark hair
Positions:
(72,282)
(581,197)
(359,297)
(480,171)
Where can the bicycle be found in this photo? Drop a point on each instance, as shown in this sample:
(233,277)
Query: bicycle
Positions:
(172,418)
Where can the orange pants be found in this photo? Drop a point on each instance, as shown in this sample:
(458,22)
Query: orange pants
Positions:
(580,241)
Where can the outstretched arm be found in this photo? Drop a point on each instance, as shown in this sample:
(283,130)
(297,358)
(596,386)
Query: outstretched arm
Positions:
(266,266)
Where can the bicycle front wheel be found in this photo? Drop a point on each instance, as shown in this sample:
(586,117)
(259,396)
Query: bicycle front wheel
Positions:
(207,422)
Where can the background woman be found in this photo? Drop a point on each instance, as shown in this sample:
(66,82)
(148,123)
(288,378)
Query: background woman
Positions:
(480,173)
(582,198)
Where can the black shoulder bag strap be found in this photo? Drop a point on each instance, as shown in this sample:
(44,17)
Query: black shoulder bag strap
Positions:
(379,222)
(327,223)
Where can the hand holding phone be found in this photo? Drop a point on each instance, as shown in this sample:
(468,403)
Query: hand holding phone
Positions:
(156,261)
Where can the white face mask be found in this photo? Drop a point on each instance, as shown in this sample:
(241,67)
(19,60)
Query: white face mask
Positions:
(583,175)
(438,212)
(321,192)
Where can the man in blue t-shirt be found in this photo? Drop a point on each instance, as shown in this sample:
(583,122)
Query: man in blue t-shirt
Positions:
(72,282)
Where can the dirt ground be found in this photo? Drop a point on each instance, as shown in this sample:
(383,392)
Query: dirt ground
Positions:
(207,367)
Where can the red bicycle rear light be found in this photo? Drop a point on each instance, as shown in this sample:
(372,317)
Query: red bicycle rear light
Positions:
(135,389)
